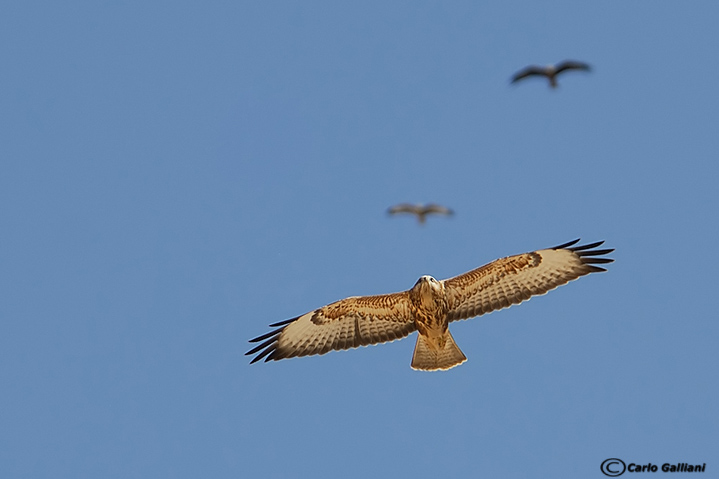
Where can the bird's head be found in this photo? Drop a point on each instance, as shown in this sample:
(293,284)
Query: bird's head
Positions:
(428,291)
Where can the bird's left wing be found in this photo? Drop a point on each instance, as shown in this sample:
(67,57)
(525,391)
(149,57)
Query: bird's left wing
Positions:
(529,71)
(513,279)
(572,65)
(434,208)
(348,323)
(403,208)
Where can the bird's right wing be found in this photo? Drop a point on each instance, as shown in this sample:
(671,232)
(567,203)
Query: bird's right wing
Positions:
(403,208)
(345,324)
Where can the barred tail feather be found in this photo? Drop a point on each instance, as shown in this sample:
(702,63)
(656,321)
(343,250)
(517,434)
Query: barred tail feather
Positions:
(428,357)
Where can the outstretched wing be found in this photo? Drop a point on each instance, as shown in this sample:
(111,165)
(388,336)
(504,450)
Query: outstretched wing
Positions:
(572,65)
(439,209)
(529,71)
(404,208)
(345,324)
(511,280)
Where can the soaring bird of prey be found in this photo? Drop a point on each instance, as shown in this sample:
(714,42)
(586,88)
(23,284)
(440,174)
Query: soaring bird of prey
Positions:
(421,211)
(550,71)
(428,308)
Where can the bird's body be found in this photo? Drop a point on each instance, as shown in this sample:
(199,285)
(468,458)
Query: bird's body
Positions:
(420,211)
(550,71)
(435,347)
(428,308)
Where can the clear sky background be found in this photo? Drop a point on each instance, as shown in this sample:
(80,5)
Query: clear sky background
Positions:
(175,176)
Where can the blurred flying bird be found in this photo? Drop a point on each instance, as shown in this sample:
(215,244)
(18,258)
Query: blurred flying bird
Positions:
(421,211)
(550,71)
(428,308)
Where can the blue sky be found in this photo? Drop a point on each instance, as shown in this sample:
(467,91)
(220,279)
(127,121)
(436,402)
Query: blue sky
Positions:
(178,175)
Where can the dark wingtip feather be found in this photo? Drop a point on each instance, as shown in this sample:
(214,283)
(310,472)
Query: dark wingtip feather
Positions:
(590,256)
(587,254)
(265,336)
(270,345)
(272,357)
(595,269)
(261,346)
(597,260)
(566,245)
(587,246)
(595,252)
(282,323)
(263,354)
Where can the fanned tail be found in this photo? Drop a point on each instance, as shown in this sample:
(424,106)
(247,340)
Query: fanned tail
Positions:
(433,357)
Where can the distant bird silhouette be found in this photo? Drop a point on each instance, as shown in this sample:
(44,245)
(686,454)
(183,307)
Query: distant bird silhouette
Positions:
(550,71)
(421,211)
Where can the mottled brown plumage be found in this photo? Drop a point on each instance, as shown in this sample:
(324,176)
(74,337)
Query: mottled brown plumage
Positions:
(428,307)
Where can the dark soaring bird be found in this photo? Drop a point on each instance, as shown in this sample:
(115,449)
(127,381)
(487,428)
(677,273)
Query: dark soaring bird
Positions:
(421,211)
(550,71)
(428,308)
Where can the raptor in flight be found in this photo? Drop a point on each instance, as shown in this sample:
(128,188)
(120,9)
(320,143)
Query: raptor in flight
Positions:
(428,308)
(421,211)
(550,71)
